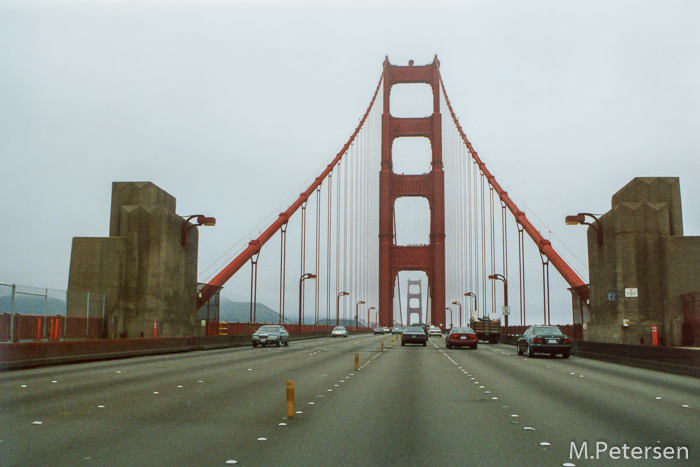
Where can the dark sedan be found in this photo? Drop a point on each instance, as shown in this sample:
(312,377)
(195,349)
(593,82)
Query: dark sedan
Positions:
(544,339)
(414,335)
(270,334)
(461,337)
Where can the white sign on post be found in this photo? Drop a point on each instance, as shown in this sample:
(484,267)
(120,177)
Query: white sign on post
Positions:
(506,310)
(631,292)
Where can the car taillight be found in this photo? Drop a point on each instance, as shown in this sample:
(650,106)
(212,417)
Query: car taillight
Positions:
(473,336)
(567,341)
(537,340)
(455,336)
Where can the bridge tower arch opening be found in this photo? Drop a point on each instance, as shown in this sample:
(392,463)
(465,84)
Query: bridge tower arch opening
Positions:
(429,258)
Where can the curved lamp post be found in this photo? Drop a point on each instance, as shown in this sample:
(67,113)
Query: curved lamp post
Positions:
(476,304)
(368,310)
(580,219)
(459,313)
(447,308)
(308,275)
(337,307)
(500,277)
(357,312)
(201,220)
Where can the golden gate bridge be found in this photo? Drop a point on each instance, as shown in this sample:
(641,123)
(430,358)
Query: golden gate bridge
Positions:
(351,249)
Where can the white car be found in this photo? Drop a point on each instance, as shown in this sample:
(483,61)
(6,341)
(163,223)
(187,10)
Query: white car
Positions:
(434,331)
(339,331)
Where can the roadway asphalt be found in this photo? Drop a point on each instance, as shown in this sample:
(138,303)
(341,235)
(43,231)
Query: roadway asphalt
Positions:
(412,405)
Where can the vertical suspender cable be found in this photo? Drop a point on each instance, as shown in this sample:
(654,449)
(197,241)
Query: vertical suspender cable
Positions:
(253,287)
(318,252)
(345,231)
(329,242)
(483,248)
(521,273)
(338,232)
(283,268)
(493,250)
(545,289)
(303,260)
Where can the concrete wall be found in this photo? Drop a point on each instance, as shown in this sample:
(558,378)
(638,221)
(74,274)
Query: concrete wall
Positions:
(643,265)
(681,262)
(142,268)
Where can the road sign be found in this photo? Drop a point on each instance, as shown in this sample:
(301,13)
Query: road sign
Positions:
(506,310)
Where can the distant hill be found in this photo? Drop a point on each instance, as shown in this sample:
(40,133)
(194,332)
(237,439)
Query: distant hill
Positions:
(32,305)
(239,312)
(342,322)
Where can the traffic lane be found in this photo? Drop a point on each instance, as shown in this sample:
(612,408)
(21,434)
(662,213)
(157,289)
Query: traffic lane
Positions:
(672,400)
(409,405)
(153,409)
(587,407)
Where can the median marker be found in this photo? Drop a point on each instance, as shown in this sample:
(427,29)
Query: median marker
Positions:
(382,346)
(357,361)
(290,399)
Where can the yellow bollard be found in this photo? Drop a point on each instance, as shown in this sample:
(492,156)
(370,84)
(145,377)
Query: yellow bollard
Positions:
(382,346)
(357,361)
(290,399)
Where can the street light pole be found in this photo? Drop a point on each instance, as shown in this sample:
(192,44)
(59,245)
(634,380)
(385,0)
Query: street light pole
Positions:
(580,219)
(357,312)
(368,310)
(186,226)
(476,304)
(308,275)
(452,323)
(460,312)
(505,292)
(337,307)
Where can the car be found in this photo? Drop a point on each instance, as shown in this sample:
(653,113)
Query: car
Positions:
(270,334)
(434,331)
(414,335)
(396,330)
(424,327)
(544,339)
(379,331)
(339,331)
(461,337)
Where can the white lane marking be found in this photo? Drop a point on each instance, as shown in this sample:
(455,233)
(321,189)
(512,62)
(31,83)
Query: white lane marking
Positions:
(544,443)
(232,461)
(37,423)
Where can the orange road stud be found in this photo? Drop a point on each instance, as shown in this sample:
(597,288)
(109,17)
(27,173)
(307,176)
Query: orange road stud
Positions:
(357,362)
(290,399)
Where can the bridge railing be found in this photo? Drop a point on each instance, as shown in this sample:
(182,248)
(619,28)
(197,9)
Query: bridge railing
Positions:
(20,327)
(222,328)
(574,331)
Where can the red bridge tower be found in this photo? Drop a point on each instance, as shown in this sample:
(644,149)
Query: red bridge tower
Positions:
(427,258)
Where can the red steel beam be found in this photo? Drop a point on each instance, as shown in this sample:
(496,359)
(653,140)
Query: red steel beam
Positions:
(544,245)
(254,247)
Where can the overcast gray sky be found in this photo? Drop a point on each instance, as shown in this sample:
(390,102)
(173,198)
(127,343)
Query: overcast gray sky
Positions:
(233,107)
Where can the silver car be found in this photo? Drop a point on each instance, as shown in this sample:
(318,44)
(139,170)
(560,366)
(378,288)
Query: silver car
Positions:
(339,331)
(270,334)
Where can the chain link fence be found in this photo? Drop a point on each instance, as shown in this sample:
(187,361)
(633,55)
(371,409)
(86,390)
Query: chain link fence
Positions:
(35,314)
